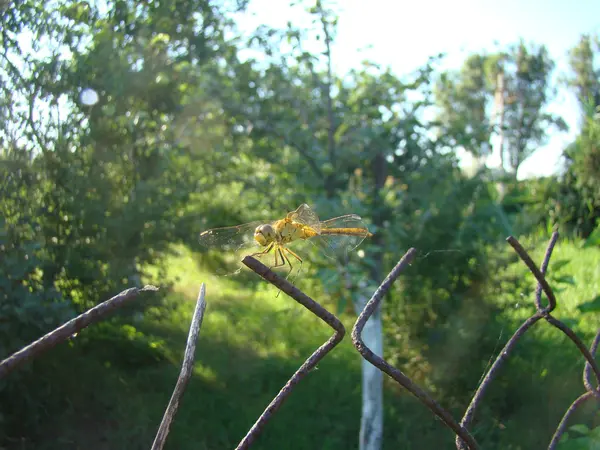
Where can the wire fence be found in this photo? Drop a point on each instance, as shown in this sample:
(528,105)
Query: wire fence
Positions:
(464,439)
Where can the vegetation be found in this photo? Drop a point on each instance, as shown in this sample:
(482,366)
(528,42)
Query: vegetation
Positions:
(128,128)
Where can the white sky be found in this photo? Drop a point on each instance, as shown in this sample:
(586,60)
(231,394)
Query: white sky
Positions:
(402,35)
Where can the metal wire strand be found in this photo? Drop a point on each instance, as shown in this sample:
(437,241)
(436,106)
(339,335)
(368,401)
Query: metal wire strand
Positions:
(310,363)
(392,371)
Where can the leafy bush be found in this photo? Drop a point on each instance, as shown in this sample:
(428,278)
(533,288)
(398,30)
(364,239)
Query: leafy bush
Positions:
(577,208)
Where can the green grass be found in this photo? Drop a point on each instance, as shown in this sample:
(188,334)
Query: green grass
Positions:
(108,389)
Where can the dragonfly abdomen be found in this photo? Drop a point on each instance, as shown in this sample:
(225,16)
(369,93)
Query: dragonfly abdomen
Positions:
(347,231)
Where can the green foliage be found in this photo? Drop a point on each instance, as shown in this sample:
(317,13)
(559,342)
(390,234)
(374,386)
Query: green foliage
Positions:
(188,133)
(580,437)
(577,207)
(463,99)
(586,73)
(578,204)
(28,307)
(529,203)
(91,193)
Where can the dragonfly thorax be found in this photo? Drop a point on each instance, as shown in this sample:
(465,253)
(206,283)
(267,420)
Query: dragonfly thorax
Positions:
(281,232)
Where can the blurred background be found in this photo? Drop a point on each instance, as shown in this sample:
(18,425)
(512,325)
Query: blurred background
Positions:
(127,128)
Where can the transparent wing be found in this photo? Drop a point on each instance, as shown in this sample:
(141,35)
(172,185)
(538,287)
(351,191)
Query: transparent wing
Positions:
(306,216)
(230,239)
(341,235)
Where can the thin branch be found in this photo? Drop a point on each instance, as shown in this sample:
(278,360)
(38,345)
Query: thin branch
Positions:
(31,100)
(287,141)
(312,360)
(69,328)
(393,372)
(186,371)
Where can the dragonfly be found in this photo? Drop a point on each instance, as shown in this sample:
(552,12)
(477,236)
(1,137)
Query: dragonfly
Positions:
(335,237)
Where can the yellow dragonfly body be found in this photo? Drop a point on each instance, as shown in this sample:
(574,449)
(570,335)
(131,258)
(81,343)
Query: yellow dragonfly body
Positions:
(336,236)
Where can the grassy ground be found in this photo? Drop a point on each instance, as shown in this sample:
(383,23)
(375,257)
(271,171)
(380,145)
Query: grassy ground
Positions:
(251,342)
(109,391)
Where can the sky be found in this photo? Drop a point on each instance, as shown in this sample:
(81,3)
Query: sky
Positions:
(402,35)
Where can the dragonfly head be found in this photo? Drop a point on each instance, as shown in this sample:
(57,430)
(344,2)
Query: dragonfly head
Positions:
(264,234)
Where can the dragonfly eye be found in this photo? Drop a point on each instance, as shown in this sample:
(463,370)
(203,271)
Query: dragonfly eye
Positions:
(264,234)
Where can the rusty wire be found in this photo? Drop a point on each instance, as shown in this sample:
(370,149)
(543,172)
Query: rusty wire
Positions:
(590,393)
(548,291)
(541,313)
(587,370)
(68,329)
(310,363)
(392,371)
(464,440)
(187,368)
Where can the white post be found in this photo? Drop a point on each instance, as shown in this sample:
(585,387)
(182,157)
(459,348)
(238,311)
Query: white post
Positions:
(371,423)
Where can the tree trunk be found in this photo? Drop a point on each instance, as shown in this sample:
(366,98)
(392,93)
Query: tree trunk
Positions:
(500,96)
(371,422)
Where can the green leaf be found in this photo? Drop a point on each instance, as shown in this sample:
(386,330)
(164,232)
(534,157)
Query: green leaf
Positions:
(580,428)
(590,306)
(593,239)
(568,279)
(557,265)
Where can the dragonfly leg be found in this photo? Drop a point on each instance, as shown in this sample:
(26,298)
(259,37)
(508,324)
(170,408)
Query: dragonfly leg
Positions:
(289,263)
(278,254)
(295,256)
(264,252)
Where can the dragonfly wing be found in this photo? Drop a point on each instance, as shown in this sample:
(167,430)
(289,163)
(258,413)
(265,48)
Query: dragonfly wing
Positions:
(323,245)
(230,239)
(341,235)
(346,221)
(305,215)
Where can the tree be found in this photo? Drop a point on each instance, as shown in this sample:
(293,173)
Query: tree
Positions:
(93,191)
(327,139)
(355,143)
(526,123)
(586,74)
(502,95)
(578,205)
(463,99)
